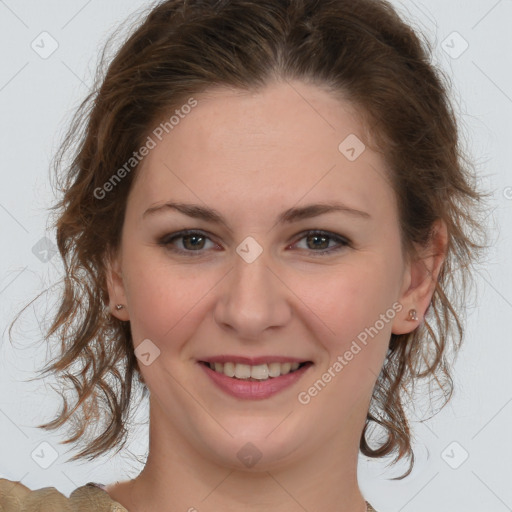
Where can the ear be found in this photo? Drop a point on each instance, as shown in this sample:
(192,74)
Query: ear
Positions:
(420,278)
(115,285)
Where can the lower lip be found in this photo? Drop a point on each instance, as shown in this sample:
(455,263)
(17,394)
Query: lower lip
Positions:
(254,390)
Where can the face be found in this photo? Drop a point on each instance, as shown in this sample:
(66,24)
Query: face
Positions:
(265,278)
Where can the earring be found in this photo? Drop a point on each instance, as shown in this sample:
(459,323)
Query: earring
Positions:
(412,315)
(119,306)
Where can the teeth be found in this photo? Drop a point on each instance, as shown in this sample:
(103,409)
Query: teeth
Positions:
(274,369)
(257,372)
(229,369)
(242,371)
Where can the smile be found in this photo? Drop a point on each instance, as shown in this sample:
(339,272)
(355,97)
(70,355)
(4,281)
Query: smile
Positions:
(254,381)
(258,372)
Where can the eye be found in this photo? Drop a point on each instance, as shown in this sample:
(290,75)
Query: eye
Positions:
(193,242)
(318,242)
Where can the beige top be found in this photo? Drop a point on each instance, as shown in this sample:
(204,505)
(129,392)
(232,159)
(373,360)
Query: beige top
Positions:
(16,497)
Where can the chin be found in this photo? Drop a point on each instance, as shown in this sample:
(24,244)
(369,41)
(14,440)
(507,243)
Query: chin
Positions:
(255,444)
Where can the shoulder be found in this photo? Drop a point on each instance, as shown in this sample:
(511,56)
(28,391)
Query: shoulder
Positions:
(16,497)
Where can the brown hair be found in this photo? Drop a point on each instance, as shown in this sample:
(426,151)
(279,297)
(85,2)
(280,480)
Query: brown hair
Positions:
(361,51)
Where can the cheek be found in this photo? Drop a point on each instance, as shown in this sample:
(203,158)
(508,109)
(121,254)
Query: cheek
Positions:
(166,299)
(355,304)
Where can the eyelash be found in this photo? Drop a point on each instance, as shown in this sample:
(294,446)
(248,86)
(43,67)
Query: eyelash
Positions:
(167,241)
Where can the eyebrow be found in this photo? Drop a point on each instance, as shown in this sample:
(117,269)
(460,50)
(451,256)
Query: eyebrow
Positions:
(286,217)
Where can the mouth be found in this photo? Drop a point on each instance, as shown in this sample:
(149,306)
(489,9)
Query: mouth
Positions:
(255,373)
(253,378)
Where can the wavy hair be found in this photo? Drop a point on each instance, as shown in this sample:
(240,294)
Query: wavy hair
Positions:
(361,51)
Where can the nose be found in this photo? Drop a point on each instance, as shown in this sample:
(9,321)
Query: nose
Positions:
(252,299)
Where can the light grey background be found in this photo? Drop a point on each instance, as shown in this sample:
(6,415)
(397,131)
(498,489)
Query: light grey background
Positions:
(37,98)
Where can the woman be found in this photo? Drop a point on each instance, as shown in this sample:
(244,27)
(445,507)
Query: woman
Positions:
(265,209)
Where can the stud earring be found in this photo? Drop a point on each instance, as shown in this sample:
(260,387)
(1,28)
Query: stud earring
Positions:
(119,306)
(413,315)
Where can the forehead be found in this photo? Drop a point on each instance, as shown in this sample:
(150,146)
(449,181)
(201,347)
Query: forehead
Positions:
(277,145)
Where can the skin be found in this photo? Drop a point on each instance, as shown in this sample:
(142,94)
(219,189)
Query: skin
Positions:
(252,155)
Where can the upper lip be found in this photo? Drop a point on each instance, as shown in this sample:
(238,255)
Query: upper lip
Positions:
(252,361)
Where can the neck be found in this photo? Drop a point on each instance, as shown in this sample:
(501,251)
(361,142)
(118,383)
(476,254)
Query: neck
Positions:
(177,477)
